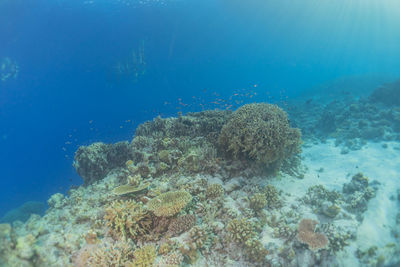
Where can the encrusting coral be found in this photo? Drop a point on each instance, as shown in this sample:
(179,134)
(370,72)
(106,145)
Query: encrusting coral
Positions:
(169,203)
(307,235)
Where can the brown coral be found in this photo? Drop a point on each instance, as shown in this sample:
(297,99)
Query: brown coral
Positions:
(181,224)
(307,235)
(170,203)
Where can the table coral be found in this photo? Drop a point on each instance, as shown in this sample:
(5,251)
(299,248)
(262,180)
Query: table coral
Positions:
(169,203)
(307,235)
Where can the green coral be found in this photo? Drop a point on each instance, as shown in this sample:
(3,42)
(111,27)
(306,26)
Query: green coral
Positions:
(260,132)
(169,203)
(128,219)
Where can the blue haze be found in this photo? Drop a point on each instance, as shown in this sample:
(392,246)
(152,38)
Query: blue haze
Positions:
(68,93)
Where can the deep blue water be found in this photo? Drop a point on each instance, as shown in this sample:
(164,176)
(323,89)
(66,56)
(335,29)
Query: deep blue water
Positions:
(68,93)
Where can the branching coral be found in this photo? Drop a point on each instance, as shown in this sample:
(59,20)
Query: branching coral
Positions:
(214,191)
(260,132)
(307,235)
(170,203)
(240,231)
(127,219)
(105,254)
(258,202)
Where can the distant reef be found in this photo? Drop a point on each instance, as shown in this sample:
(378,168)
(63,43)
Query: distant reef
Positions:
(351,121)
(23,212)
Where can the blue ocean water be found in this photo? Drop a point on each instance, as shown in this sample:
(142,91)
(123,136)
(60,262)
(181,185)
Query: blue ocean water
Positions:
(71,90)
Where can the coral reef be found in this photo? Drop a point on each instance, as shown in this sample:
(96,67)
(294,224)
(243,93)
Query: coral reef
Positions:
(388,94)
(174,197)
(260,132)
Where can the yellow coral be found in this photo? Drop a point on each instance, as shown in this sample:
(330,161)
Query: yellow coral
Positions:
(144,257)
(128,219)
(170,203)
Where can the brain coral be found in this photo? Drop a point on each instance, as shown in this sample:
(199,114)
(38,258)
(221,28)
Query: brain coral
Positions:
(170,203)
(260,132)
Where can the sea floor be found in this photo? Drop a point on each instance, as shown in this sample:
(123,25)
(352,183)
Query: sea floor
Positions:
(380,161)
(68,229)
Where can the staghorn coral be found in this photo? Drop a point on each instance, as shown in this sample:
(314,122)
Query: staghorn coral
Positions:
(260,132)
(181,224)
(306,235)
(127,219)
(170,203)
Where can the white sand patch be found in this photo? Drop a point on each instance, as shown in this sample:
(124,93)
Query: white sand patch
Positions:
(374,161)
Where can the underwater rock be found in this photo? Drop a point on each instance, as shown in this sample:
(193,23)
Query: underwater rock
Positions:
(94,162)
(260,133)
(56,201)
